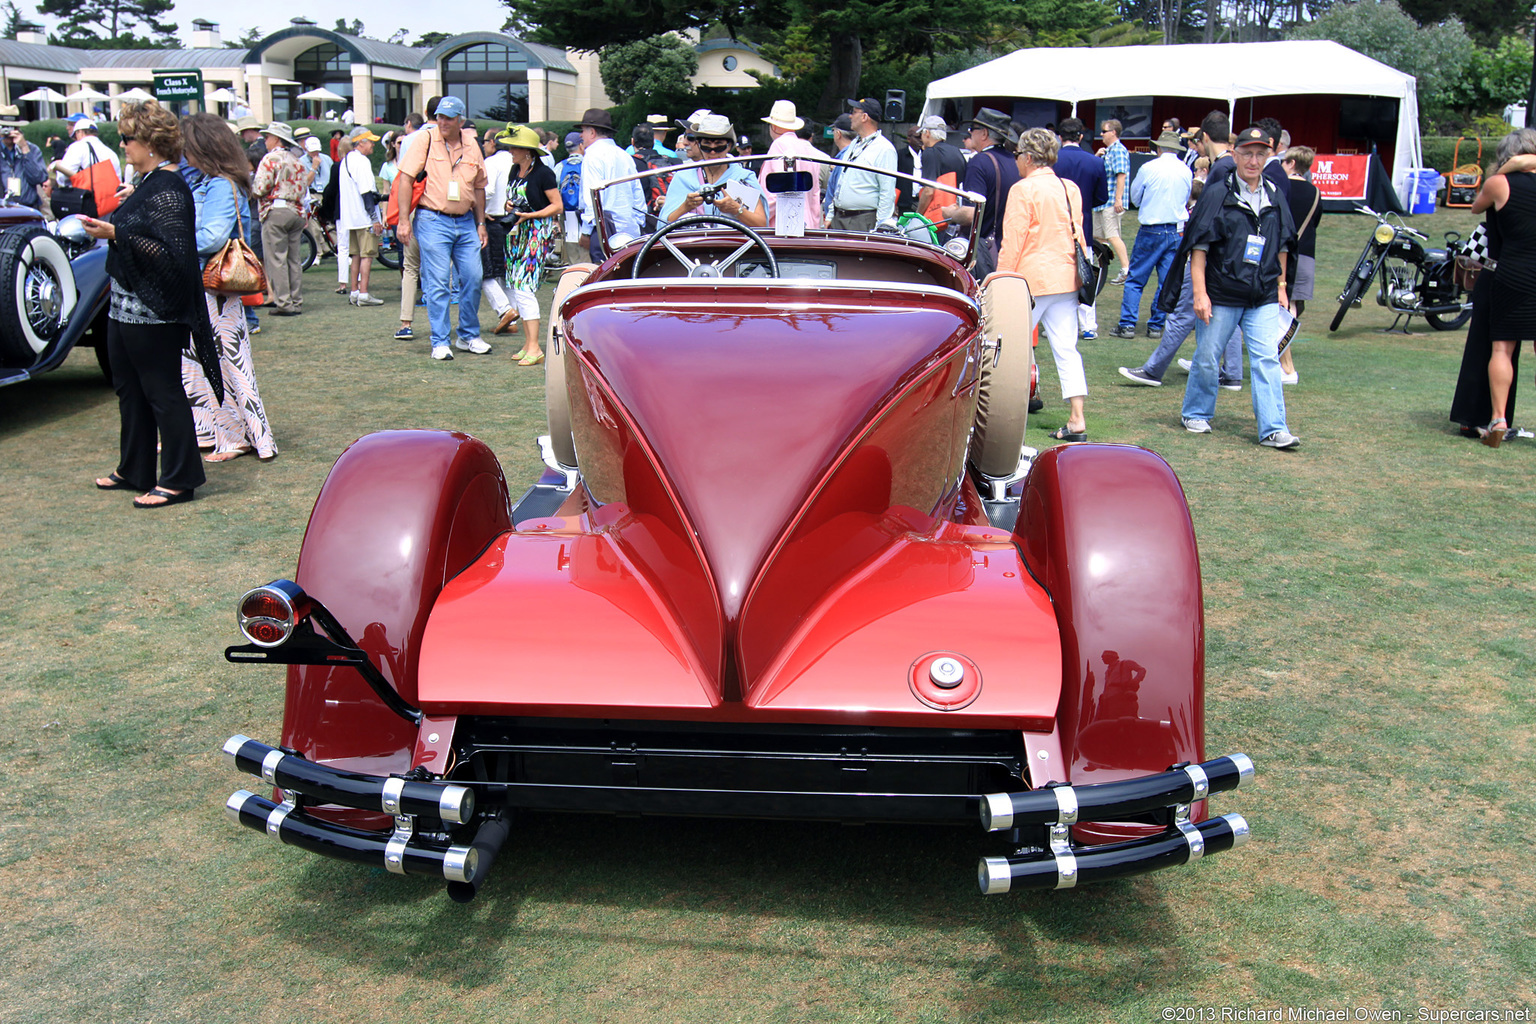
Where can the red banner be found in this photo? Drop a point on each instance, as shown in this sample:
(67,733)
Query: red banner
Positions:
(1341,177)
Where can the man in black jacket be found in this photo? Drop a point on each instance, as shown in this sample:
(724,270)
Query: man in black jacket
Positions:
(1238,243)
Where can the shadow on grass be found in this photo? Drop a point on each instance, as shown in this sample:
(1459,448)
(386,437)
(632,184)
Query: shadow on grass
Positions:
(75,387)
(749,893)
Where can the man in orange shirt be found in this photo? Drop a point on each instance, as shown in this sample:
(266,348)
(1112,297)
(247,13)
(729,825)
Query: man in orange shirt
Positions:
(448,223)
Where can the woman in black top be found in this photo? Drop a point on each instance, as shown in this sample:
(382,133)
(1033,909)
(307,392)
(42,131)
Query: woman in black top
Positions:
(1510,199)
(157,297)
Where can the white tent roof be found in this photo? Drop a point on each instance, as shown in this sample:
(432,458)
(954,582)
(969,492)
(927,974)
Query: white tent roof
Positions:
(1221,71)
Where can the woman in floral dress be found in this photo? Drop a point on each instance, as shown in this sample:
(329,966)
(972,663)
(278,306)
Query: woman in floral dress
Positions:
(213,168)
(533,206)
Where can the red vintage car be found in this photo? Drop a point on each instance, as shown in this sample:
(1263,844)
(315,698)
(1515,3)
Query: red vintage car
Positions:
(791,558)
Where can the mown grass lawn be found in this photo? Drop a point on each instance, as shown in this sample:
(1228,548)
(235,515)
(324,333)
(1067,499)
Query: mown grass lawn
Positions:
(1371,644)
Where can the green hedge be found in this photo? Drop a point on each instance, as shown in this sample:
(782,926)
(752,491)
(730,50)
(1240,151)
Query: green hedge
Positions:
(1439,151)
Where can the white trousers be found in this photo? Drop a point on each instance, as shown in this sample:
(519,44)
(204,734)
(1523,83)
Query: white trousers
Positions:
(1056,316)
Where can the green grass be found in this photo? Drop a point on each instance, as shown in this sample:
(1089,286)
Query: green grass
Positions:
(1370,643)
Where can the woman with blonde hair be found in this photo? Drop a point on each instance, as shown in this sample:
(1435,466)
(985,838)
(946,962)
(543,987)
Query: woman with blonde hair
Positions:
(1042,222)
(157,297)
(221,196)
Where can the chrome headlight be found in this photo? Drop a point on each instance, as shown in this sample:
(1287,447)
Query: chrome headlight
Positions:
(1384,233)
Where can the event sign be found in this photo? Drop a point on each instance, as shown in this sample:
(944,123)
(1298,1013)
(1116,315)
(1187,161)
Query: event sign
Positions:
(1341,177)
(178,84)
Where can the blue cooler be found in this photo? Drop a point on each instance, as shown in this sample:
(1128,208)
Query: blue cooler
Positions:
(1425,183)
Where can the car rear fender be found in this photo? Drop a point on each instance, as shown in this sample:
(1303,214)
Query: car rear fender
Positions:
(401,512)
(1106,530)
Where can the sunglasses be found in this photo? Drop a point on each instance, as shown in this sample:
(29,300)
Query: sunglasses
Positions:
(714,147)
(126,138)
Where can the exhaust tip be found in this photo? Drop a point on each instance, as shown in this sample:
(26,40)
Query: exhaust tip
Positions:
(1239,825)
(993,875)
(1244,767)
(234,743)
(996,812)
(236,803)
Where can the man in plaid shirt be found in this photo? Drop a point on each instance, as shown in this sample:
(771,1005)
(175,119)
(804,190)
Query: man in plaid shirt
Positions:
(1106,218)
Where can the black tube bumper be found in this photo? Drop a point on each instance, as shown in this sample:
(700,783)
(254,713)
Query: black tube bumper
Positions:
(1059,863)
(400,852)
(434,801)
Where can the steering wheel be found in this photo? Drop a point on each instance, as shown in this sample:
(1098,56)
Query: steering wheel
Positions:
(698,268)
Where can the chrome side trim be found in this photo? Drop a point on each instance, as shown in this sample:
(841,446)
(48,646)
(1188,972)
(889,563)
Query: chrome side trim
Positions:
(993,875)
(1192,835)
(1244,767)
(1066,805)
(1239,829)
(1200,780)
(275,819)
(547,455)
(460,862)
(390,799)
(1061,849)
(394,849)
(457,804)
(269,766)
(996,812)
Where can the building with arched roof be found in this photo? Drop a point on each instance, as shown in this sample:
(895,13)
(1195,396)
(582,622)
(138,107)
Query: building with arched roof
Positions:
(500,77)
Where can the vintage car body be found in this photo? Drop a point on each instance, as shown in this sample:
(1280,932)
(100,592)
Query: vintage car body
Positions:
(764,575)
(54,293)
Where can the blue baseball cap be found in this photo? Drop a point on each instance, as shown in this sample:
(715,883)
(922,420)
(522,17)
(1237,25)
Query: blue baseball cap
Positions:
(450,106)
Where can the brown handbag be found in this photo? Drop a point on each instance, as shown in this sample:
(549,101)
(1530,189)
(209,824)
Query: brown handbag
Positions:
(235,269)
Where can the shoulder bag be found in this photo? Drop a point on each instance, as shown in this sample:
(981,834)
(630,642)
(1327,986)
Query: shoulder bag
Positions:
(235,269)
(77,196)
(1091,269)
(986,245)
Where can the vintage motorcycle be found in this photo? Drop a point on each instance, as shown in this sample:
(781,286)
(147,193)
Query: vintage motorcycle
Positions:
(1415,280)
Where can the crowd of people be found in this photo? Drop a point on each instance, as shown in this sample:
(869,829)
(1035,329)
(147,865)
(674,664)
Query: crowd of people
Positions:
(1227,224)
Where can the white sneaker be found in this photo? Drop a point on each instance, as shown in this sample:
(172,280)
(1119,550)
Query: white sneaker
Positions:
(1185,364)
(1282,439)
(442,352)
(1289,378)
(475,345)
(1197,426)
(352,298)
(364,299)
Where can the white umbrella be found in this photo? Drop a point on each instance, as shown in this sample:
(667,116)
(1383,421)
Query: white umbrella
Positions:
(134,95)
(222,96)
(45,95)
(85,94)
(322,93)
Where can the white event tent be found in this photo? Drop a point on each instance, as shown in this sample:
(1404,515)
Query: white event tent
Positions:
(1228,72)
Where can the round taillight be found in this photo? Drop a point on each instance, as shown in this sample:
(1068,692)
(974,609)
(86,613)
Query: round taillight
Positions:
(264,604)
(268,615)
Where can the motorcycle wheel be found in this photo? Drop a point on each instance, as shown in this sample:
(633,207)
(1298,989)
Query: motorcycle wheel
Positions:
(1351,293)
(307,249)
(391,253)
(1448,323)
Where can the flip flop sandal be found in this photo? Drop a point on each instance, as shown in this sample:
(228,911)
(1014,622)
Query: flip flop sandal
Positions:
(170,498)
(1063,434)
(117,484)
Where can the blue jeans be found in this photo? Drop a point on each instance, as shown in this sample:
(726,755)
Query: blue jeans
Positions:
(1154,250)
(1261,334)
(447,241)
(1177,327)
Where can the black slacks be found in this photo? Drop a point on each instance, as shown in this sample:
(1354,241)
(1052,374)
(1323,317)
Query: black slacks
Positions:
(146,374)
